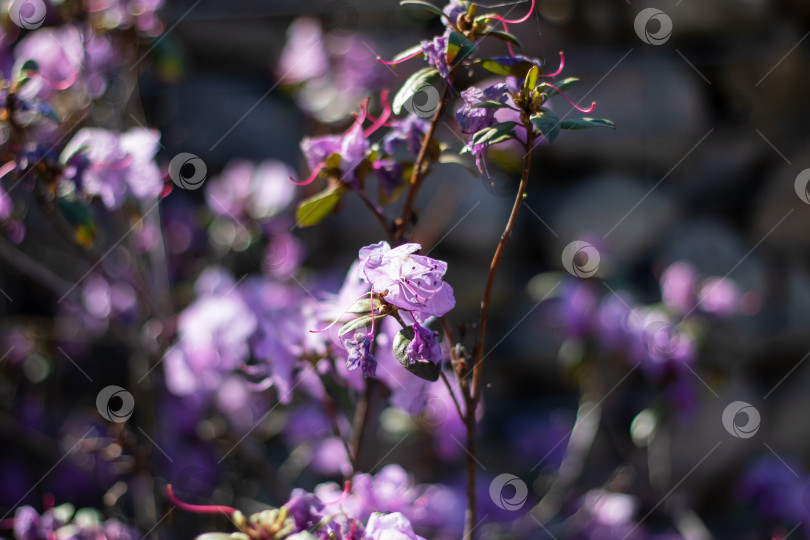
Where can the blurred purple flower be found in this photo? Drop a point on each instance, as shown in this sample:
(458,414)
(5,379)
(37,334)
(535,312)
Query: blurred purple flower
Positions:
(113,165)
(678,287)
(720,296)
(393,526)
(257,192)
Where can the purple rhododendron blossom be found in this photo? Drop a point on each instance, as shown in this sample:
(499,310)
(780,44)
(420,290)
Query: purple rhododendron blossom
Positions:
(393,526)
(359,349)
(472,119)
(351,147)
(254,191)
(411,282)
(408,133)
(436,54)
(425,346)
(454,8)
(113,166)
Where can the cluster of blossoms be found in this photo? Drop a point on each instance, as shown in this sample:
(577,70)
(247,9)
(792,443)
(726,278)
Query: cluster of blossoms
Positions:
(64,523)
(383,506)
(661,338)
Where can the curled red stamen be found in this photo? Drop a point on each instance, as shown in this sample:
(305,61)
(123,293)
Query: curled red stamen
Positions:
(315,172)
(333,323)
(347,489)
(559,69)
(516,21)
(577,107)
(394,62)
(386,113)
(196,508)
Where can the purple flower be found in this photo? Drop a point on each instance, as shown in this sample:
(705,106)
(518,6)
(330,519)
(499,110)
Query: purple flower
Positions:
(411,282)
(388,171)
(112,165)
(720,296)
(472,119)
(258,192)
(390,527)
(351,147)
(425,346)
(454,8)
(359,349)
(436,54)
(409,133)
(678,284)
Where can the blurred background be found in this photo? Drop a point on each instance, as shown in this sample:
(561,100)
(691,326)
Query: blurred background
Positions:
(695,204)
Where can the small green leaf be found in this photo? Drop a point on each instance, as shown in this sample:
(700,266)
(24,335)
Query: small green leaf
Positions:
(458,160)
(505,36)
(530,82)
(563,85)
(514,69)
(495,134)
(547,123)
(491,105)
(425,370)
(459,47)
(363,306)
(408,52)
(358,323)
(585,123)
(81,217)
(422,4)
(313,210)
(424,77)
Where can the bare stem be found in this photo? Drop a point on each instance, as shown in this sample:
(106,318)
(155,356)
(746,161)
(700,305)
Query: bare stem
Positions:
(473,392)
(419,169)
(361,416)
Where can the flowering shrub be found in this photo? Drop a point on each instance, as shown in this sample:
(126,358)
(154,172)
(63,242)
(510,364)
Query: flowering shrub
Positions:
(254,386)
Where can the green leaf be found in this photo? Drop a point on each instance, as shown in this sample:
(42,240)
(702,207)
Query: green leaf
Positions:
(408,52)
(424,5)
(505,36)
(547,123)
(425,370)
(358,323)
(459,47)
(458,160)
(81,217)
(491,105)
(313,210)
(424,77)
(563,85)
(363,306)
(519,69)
(585,123)
(493,135)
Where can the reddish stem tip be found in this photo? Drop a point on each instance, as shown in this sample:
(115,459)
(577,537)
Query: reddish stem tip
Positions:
(196,508)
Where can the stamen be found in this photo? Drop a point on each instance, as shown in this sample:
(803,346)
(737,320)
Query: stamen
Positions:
(394,62)
(516,21)
(386,113)
(7,168)
(315,172)
(347,489)
(196,508)
(559,69)
(577,107)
